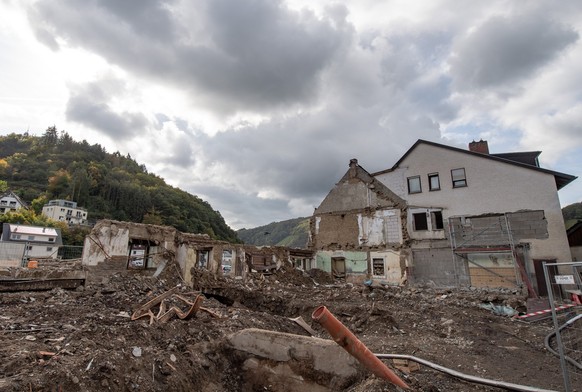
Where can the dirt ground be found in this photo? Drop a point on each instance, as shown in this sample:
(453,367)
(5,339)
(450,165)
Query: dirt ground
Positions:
(84,339)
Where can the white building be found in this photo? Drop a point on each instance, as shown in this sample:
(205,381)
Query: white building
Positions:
(446,216)
(65,211)
(40,242)
(10,202)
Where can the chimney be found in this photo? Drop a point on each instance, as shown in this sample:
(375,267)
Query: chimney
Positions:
(481,146)
(353,168)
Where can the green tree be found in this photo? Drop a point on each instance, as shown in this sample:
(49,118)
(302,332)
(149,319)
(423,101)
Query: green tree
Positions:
(50,136)
(38,203)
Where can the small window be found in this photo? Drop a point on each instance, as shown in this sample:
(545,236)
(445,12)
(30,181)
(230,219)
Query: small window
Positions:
(434,183)
(459,178)
(49,249)
(51,240)
(203,256)
(378,267)
(31,238)
(414,184)
(436,218)
(420,222)
(29,247)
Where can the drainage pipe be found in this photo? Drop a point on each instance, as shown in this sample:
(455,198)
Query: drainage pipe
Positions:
(477,380)
(551,334)
(349,342)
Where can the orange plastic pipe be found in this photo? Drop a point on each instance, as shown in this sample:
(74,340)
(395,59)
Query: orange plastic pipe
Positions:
(349,342)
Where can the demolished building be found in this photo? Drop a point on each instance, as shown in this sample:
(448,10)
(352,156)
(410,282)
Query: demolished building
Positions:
(114,246)
(444,216)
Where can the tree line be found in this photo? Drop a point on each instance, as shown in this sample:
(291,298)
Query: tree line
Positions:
(108,185)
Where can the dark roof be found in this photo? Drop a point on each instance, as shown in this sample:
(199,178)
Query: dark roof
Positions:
(527,157)
(562,179)
(574,227)
(14,195)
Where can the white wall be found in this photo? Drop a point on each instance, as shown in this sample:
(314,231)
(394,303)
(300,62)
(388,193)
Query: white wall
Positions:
(381,229)
(114,238)
(492,187)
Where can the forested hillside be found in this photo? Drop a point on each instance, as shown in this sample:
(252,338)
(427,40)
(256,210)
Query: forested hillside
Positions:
(573,211)
(572,214)
(292,233)
(108,185)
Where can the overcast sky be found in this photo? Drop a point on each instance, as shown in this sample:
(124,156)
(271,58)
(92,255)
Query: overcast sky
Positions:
(257,105)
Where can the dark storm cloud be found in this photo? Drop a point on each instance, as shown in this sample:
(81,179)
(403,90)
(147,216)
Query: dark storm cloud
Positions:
(408,66)
(503,50)
(231,55)
(303,157)
(89,105)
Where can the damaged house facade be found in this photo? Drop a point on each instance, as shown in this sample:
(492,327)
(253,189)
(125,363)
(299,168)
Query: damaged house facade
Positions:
(119,247)
(444,216)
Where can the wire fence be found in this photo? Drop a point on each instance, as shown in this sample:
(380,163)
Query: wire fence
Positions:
(68,252)
(564,281)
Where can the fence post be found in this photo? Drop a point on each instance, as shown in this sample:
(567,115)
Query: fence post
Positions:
(557,328)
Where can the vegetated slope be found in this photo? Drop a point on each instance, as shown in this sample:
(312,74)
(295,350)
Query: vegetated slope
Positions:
(108,185)
(293,233)
(572,213)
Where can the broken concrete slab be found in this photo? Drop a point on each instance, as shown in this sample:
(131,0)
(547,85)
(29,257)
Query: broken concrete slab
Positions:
(321,356)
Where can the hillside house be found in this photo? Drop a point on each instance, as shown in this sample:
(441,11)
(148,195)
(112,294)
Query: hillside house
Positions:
(38,242)
(445,216)
(65,211)
(11,202)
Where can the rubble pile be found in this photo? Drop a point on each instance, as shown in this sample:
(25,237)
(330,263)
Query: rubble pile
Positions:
(85,339)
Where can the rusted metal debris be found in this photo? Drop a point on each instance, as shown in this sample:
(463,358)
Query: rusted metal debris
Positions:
(165,312)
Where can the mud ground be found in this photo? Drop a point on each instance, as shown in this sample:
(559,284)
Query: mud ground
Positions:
(84,339)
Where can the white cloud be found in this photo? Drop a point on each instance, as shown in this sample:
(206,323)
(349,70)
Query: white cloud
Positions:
(258,105)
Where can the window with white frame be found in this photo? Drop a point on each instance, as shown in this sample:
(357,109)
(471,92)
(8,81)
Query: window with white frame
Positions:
(427,220)
(459,178)
(414,184)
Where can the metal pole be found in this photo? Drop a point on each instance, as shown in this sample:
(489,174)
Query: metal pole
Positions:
(557,329)
(24,254)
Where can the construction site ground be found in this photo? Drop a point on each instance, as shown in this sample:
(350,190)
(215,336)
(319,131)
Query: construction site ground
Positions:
(85,340)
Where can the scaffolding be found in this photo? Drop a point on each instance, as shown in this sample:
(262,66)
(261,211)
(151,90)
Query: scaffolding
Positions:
(488,235)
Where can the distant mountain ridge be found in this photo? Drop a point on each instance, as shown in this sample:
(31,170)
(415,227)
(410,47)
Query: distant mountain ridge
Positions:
(293,233)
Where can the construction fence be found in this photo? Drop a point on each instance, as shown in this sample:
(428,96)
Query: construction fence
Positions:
(565,296)
(17,254)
